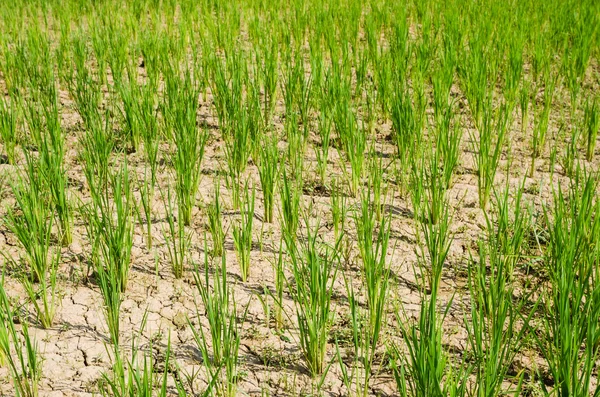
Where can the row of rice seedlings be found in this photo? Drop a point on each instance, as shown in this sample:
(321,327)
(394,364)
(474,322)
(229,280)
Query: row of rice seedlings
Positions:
(18,349)
(219,345)
(32,226)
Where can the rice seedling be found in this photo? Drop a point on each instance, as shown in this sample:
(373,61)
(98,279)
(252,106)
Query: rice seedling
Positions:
(110,227)
(33,229)
(290,192)
(540,128)
(179,110)
(139,377)
(219,345)
(146,197)
(280,283)
(149,127)
(9,133)
(43,119)
(322,151)
(296,147)
(592,124)
(314,267)
(524,102)
(339,209)
(19,350)
(353,139)
(268,170)
(242,232)
(356,376)
(215,221)
(177,238)
(495,337)
(488,149)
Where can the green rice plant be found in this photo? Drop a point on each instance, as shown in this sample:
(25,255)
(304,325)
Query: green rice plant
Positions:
(242,232)
(353,140)
(177,238)
(219,345)
(495,336)
(448,137)
(33,229)
(139,377)
(314,267)
(268,170)
(86,92)
(19,350)
(357,374)
(179,110)
(426,363)
(111,289)
(215,221)
(238,147)
(570,156)
(297,144)
(487,150)
(238,140)
(524,101)
(271,57)
(428,187)
(98,144)
(110,226)
(375,182)
(322,151)
(130,95)
(373,239)
(406,133)
(339,209)
(146,198)
(592,125)
(568,338)
(9,133)
(474,74)
(540,128)
(290,192)
(149,127)
(279,281)
(54,172)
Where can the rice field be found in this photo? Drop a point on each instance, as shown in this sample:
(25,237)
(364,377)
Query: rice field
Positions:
(299,198)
